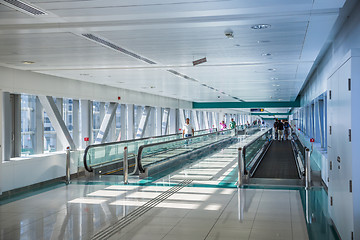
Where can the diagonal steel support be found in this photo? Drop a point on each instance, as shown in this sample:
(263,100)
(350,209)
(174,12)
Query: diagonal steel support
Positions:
(182,117)
(165,120)
(57,122)
(106,123)
(143,122)
(196,120)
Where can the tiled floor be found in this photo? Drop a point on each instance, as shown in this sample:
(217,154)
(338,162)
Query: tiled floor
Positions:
(82,209)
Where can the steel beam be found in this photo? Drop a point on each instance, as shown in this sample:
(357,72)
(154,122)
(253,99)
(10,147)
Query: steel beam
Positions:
(106,123)
(165,120)
(143,122)
(57,122)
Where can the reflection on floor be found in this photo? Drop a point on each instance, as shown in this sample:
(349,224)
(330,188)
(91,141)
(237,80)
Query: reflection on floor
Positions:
(209,208)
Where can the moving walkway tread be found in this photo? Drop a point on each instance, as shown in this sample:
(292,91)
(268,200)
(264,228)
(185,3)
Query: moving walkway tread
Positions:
(278,162)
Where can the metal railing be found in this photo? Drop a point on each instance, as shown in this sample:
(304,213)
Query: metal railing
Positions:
(242,155)
(179,141)
(118,151)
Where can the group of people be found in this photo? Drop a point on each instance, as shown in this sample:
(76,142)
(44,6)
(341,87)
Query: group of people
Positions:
(188,130)
(232,125)
(282,129)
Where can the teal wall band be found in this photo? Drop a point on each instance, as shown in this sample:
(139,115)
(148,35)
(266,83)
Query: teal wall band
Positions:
(202,105)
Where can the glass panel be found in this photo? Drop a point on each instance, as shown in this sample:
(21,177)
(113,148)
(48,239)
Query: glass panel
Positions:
(28,124)
(49,135)
(105,154)
(153,154)
(118,122)
(252,149)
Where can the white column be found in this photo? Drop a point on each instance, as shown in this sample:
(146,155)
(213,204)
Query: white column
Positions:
(39,130)
(6,126)
(76,123)
(123,119)
(196,120)
(158,119)
(59,105)
(130,121)
(173,121)
(86,121)
(206,120)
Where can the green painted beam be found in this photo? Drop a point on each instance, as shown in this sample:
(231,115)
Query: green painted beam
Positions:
(271,114)
(274,118)
(245,104)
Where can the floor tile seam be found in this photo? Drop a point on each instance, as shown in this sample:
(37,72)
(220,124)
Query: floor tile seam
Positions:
(252,225)
(291,221)
(125,221)
(219,216)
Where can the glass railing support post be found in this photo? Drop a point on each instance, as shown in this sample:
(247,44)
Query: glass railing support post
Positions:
(240,167)
(307,169)
(67,176)
(125,166)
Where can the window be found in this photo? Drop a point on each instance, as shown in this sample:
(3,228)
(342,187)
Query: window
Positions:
(68,114)
(118,122)
(28,124)
(49,135)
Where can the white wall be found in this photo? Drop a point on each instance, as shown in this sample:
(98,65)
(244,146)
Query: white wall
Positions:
(347,39)
(21,172)
(18,81)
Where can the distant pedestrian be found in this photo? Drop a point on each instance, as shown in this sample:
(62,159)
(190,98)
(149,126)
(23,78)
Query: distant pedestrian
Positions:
(188,130)
(223,125)
(276,123)
(286,129)
(280,130)
(232,124)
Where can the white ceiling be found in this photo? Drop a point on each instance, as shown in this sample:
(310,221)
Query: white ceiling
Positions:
(173,33)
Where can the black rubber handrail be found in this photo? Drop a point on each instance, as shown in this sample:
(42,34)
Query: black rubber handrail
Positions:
(90,169)
(142,170)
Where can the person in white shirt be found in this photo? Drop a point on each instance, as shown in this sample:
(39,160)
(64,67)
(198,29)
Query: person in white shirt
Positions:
(188,130)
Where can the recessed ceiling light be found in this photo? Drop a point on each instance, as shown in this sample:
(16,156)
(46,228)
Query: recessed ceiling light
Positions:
(266,54)
(271,69)
(274,78)
(276,85)
(261,26)
(27,62)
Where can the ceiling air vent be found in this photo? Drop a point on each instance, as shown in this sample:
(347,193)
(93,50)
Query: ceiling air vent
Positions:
(23,7)
(117,48)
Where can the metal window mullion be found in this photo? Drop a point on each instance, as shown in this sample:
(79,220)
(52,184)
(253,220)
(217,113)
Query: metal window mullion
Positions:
(158,119)
(130,121)
(86,121)
(122,134)
(59,105)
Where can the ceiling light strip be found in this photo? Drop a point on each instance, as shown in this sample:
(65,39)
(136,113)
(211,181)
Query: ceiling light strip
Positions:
(117,48)
(16,4)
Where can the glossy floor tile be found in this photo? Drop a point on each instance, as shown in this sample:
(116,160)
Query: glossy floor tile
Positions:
(211,207)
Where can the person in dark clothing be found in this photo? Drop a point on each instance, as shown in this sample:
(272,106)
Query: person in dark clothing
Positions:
(286,129)
(280,130)
(276,123)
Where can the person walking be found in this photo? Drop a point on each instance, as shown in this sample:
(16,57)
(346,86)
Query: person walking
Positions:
(280,130)
(188,130)
(232,124)
(223,125)
(276,123)
(286,129)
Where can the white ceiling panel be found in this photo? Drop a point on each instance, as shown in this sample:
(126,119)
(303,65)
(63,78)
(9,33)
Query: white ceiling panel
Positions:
(255,65)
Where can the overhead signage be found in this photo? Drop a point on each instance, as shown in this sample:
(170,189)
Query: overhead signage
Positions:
(197,62)
(256,110)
